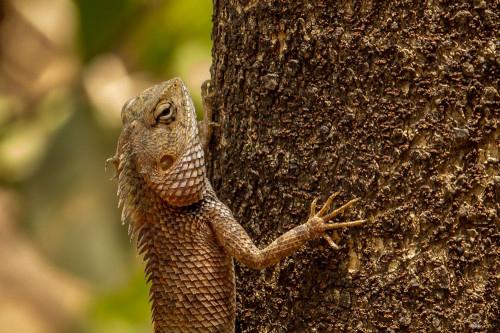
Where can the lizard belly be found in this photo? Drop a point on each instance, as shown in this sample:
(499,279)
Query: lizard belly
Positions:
(193,284)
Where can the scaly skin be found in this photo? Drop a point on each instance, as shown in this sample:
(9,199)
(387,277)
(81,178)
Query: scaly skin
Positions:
(188,237)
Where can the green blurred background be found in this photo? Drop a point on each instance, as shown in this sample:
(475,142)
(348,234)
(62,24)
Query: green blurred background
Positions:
(66,68)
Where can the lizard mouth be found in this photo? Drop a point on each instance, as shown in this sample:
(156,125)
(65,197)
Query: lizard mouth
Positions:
(166,162)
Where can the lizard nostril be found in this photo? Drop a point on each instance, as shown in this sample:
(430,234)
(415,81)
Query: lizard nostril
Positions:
(166,162)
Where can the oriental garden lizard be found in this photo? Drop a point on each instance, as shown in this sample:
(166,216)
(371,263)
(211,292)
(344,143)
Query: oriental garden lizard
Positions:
(188,237)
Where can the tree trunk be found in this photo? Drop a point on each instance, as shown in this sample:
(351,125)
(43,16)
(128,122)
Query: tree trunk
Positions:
(395,102)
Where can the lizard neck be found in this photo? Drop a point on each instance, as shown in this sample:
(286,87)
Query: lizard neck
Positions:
(184,183)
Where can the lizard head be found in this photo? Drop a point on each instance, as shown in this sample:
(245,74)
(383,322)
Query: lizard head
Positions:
(159,144)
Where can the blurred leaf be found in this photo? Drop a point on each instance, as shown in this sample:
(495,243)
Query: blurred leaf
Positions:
(169,27)
(102,22)
(24,142)
(126,310)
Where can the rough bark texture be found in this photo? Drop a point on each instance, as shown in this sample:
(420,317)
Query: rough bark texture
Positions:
(393,101)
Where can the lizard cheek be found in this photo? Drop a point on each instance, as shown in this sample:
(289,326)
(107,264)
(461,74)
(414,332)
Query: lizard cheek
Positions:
(166,162)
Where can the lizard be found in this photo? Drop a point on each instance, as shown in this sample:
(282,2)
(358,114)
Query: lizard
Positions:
(187,235)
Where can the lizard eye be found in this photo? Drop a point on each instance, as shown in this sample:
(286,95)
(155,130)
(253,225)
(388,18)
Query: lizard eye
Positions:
(165,113)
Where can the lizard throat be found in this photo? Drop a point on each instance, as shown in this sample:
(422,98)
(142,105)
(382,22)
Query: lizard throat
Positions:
(182,181)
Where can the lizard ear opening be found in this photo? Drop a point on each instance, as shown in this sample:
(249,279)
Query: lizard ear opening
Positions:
(166,162)
(179,181)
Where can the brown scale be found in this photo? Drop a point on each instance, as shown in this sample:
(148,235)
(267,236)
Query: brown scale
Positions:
(188,237)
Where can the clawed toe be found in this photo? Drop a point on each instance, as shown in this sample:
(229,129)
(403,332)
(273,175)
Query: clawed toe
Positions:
(313,207)
(327,205)
(320,222)
(328,202)
(341,209)
(343,224)
(331,242)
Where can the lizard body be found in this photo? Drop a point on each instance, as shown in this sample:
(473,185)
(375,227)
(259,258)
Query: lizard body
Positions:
(188,237)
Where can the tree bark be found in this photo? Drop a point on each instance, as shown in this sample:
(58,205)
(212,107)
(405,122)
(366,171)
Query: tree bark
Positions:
(395,102)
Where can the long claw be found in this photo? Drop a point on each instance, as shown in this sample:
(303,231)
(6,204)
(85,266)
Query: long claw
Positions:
(343,224)
(327,204)
(331,242)
(204,88)
(340,210)
(313,207)
(113,160)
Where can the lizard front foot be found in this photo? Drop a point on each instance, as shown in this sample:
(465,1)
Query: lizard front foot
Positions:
(206,126)
(318,224)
